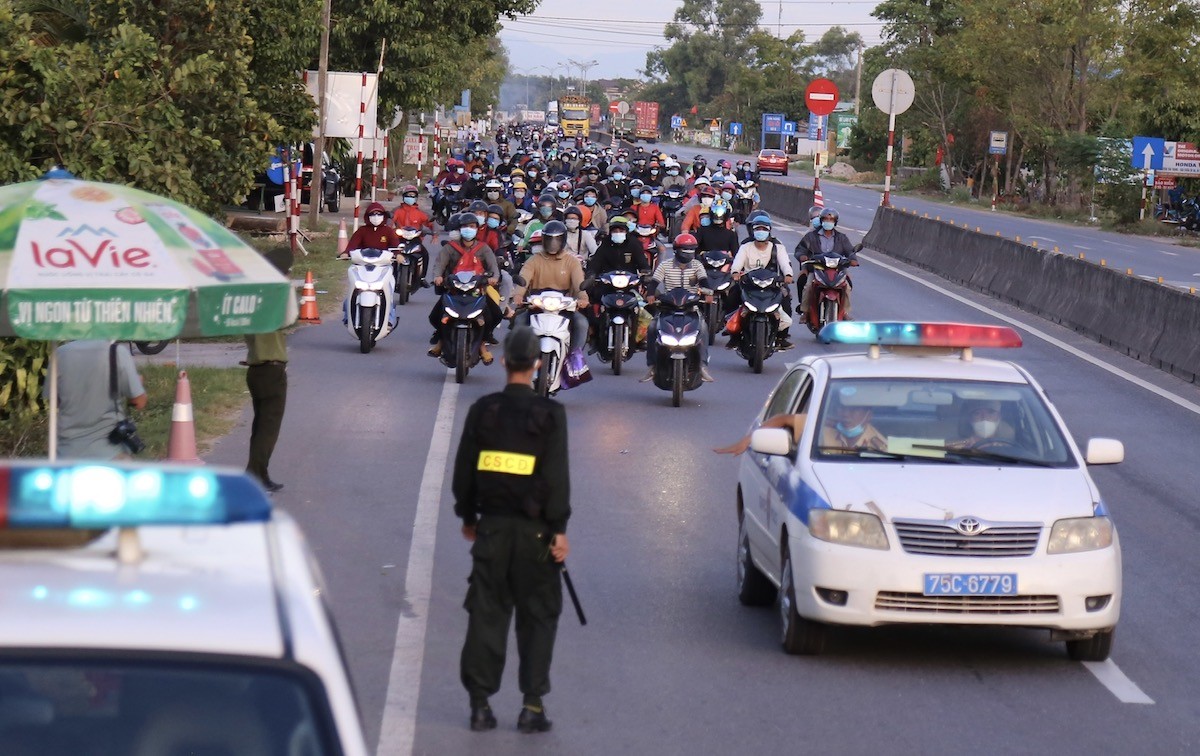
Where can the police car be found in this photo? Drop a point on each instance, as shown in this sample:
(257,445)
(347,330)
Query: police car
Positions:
(162,610)
(916,483)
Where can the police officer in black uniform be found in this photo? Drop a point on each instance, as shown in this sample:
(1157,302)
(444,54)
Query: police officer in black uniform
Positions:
(512,492)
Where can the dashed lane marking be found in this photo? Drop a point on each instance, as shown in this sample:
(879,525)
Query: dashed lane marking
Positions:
(1111,677)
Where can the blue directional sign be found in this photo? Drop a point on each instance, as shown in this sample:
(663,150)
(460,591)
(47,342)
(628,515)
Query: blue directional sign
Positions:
(814,125)
(772,123)
(1151,147)
(677,122)
(789,127)
(735,128)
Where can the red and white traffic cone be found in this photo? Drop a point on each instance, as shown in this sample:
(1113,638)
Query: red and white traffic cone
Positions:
(181,446)
(308,301)
(343,240)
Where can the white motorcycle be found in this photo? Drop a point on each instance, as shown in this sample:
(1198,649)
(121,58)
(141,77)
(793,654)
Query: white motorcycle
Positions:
(369,310)
(550,317)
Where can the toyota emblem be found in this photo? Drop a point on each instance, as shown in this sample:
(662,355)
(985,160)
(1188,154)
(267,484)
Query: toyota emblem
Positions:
(968,526)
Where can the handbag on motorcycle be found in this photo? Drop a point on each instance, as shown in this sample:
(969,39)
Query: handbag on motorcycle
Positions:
(643,326)
(575,370)
(734,324)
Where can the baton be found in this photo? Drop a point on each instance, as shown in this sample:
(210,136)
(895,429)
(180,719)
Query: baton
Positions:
(571,590)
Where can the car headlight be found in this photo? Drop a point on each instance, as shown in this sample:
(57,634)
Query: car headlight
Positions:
(1080,534)
(847,528)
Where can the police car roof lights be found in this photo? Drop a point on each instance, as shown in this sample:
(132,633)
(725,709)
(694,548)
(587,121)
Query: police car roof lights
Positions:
(99,496)
(917,336)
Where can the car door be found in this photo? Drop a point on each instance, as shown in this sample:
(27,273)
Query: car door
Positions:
(781,478)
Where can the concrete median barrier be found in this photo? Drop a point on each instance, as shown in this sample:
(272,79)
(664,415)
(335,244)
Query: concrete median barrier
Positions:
(1148,321)
(786,201)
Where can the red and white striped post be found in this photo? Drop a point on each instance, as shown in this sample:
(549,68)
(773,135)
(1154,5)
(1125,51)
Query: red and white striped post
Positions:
(362,118)
(387,144)
(887,174)
(420,149)
(374,162)
(288,189)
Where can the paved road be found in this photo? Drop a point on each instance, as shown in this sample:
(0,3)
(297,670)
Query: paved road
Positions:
(1176,264)
(671,663)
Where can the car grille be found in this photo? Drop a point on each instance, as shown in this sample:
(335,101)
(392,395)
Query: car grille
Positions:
(917,603)
(938,539)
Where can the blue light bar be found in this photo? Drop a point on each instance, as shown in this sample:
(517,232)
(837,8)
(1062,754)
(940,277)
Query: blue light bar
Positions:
(92,495)
(951,335)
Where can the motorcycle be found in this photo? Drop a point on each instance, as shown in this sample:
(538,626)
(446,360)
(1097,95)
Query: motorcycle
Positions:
(716,264)
(828,279)
(449,200)
(550,317)
(762,295)
(670,203)
(677,356)
(743,200)
(616,326)
(464,301)
(151,347)
(408,266)
(369,311)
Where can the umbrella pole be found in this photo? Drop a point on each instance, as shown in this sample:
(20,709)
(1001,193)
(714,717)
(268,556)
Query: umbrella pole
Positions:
(52,445)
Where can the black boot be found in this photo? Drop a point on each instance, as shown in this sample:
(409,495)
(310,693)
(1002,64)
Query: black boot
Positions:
(482,718)
(533,719)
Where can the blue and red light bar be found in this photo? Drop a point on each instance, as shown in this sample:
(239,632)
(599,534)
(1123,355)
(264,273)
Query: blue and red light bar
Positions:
(97,495)
(947,335)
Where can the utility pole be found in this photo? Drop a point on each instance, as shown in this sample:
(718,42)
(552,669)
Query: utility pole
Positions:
(858,80)
(315,193)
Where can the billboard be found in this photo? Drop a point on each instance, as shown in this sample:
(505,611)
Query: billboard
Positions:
(344,94)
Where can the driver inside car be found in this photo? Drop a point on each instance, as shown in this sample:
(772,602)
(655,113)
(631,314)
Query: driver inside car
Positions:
(982,426)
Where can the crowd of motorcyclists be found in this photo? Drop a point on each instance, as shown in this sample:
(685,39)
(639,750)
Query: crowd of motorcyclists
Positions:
(541,212)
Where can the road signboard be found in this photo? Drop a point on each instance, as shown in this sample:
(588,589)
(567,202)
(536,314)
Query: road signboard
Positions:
(612,106)
(414,149)
(676,122)
(814,125)
(772,123)
(735,128)
(1164,182)
(821,96)
(1148,153)
(998,143)
(1180,159)
(893,91)
(789,127)
(622,107)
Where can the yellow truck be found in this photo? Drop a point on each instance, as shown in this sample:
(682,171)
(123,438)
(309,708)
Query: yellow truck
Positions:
(574,115)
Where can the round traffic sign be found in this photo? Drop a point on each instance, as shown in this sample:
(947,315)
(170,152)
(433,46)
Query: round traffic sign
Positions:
(893,91)
(622,107)
(821,97)
(612,106)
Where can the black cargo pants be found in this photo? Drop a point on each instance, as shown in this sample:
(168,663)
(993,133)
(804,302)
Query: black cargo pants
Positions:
(267,383)
(512,568)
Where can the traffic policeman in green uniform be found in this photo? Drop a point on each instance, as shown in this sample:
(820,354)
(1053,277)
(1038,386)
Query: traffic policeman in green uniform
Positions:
(512,492)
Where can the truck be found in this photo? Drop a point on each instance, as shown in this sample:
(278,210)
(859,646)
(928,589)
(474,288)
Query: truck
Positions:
(552,113)
(646,117)
(573,116)
(531,116)
(623,126)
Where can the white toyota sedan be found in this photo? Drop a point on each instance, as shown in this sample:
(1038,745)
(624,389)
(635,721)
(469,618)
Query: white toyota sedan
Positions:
(916,483)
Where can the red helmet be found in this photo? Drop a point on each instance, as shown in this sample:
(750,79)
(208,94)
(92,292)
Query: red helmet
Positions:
(686,242)
(408,189)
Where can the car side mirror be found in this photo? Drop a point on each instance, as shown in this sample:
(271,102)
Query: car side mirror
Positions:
(1104,451)
(774,441)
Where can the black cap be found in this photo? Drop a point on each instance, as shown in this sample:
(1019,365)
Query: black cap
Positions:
(521,348)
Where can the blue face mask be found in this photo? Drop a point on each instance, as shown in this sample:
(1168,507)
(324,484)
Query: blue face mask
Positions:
(727,195)
(645,196)
(705,221)
(854,432)
(761,234)
(828,225)
(618,176)
(410,200)
(816,222)
(545,211)
(564,195)
(617,237)
(468,233)
(589,200)
(493,223)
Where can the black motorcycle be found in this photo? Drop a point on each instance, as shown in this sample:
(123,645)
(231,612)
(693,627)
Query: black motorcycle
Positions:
(670,203)
(465,300)
(408,264)
(762,296)
(677,354)
(616,327)
(716,264)
(829,279)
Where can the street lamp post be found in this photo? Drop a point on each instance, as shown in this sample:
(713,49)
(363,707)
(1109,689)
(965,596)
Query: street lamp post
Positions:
(583,69)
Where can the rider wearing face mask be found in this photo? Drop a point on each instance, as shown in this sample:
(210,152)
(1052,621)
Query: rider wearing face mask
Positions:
(553,268)
(714,232)
(466,255)
(617,184)
(671,175)
(826,240)
(546,211)
(593,216)
(473,187)
(493,194)
(375,233)
(644,211)
(680,269)
(705,196)
(521,198)
(763,252)
(618,250)
(579,242)
(407,214)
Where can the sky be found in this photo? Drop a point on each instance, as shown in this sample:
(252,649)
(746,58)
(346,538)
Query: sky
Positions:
(617,34)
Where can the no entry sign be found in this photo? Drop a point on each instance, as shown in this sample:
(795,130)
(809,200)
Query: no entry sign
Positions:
(821,97)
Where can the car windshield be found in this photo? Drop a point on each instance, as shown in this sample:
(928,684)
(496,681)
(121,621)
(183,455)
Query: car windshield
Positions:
(771,153)
(946,422)
(54,707)
(575,114)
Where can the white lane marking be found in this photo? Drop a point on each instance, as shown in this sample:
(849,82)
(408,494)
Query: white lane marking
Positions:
(399,729)
(1172,254)
(1043,238)
(1111,677)
(1174,398)
(1080,246)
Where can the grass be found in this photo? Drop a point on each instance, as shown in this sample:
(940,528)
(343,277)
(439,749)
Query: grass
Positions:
(217,397)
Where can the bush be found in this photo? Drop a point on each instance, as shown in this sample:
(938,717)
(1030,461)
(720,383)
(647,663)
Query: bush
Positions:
(929,181)
(961,194)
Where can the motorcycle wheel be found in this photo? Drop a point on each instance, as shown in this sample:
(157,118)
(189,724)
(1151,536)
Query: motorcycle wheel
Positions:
(461,365)
(618,348)
(402,286)
(676,382)
(335,202)
(542,385)
(760,347)
(151,347)
(366,329)
(829,312)
(714,321)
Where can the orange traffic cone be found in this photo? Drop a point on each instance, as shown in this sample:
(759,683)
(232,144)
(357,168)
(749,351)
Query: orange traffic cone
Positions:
(308,301)
(181,446)
(343,240)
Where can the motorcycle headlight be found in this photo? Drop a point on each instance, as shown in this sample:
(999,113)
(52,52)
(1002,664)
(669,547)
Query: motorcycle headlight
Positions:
(847,528)
(687,339)
(772,308)
(1080,534)
(452,312)
(619,282)
(668,339)
(750,306)
(724,286)
(362,285)
(832,262)
(475,314)
(763,283)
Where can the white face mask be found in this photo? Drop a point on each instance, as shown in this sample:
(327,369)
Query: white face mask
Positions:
(572,223)
(985,428)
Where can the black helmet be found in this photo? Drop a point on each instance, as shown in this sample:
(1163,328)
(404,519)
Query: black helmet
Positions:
(814,212)
(495,209)
(454,222)
(573,211)
(478,207)
(554,237)
(829,212)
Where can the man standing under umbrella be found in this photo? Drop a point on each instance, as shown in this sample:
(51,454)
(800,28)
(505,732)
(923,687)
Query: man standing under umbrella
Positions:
(89,410)
(266,378)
